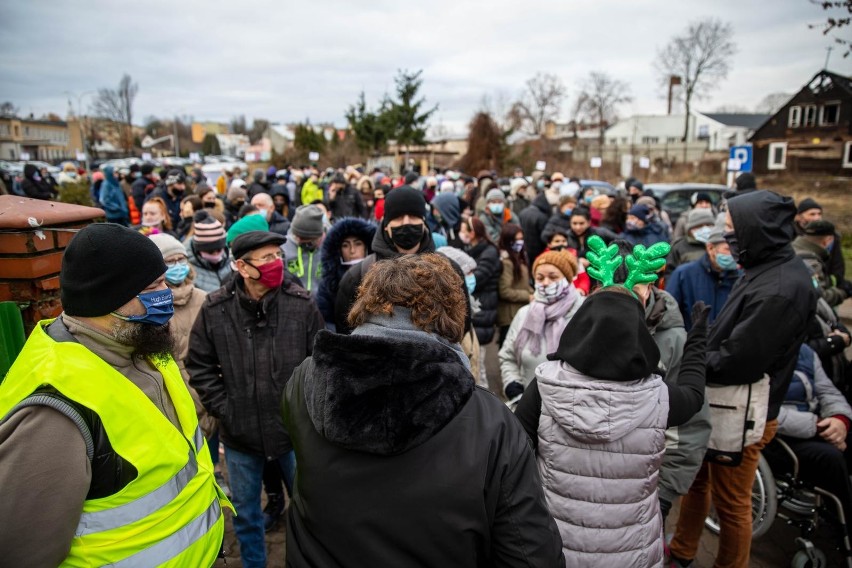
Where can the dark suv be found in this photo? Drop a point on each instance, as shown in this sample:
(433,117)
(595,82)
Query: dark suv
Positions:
(675,198)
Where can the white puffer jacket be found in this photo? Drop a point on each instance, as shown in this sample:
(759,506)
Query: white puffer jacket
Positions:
(600,445)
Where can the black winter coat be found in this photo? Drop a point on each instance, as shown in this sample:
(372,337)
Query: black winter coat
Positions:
(533,219)
(403,462)
(241,355)
(278,223)
(139,190)
(767,314)
(36,188)
(488,269)
(347,203)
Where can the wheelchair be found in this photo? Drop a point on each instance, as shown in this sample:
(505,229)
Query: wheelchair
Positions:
(799,504)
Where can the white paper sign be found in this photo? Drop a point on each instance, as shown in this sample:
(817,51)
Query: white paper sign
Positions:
(644,163)
(313,156)
(81,156)
(541,165)
(195,156)
(146,156)
(25,156)
(595,162)
(734,164)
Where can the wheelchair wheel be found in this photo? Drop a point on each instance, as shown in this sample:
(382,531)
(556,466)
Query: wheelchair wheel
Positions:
(764,503)
(810,557)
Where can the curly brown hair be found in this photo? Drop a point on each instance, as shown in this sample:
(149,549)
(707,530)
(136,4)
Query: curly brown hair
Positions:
(426,284)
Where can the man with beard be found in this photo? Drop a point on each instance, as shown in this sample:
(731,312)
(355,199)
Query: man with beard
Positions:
(102,461)
(248,338)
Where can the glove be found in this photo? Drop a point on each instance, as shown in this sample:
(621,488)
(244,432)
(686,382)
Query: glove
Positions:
(700,311)
(846,286)
(514,389)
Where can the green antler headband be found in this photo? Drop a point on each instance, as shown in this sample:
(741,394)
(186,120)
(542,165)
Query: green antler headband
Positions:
(642,264)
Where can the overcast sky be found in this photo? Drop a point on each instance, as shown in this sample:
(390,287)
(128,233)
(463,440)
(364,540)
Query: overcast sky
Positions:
(287,61)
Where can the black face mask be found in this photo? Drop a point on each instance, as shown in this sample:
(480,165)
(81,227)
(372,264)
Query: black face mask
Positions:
(210,204)
(731,239)
(309,246)
(406,237)
(557,248)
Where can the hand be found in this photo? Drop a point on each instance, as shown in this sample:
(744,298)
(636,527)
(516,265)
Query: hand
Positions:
(514,389)
(844,336)
(833,431)
(584,261)
(700,311)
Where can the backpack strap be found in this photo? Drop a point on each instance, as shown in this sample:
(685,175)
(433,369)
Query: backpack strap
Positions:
(61,405)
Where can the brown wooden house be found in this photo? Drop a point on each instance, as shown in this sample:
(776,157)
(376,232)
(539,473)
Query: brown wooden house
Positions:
(812,133)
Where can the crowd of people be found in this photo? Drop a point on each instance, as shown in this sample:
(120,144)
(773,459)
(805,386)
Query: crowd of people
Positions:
(330,330)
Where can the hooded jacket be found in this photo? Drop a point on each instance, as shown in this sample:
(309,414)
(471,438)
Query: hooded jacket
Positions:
(304,264)
(764,321)
(403,462)
(36,188)
(816,258)
(208,277)
(241,355)
(113,199)
(449,211)
(652,233)
(494,223)
(684,249)
(533,219)
(333,268)
(487,272)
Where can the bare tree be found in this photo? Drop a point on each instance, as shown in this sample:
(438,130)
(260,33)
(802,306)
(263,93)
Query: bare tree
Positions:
(540,102)
(117,105)
(7,110)
(701,57)
(840,17)
(772,103)
(598,101)
(238,125)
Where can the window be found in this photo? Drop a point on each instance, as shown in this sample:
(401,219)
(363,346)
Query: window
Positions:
(794,119)
(829,114)
(777,156)
(810,115)
(650,140)
(703,132)
(847,155)
(672,139)
(624,140)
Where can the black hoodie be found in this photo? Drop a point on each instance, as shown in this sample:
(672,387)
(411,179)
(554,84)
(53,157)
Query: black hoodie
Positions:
(533,220)
(764,321)
(35,187)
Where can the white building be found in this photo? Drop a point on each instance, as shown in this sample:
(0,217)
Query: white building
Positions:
(233,144)
(280,136)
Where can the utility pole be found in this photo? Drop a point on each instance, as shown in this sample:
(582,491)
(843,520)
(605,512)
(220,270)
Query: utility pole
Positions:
(176,143)
(827,55)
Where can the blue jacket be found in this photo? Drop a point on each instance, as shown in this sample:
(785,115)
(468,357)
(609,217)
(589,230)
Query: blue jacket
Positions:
(112,198)
(697,280)
(650,234)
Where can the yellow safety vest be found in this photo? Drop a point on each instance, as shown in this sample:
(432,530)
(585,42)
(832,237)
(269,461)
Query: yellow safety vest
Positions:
(170,515)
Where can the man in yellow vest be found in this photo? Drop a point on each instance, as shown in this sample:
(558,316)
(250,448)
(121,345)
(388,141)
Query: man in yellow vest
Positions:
(101,458)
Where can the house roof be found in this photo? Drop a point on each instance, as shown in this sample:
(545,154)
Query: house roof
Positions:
(819,81)
(750,121)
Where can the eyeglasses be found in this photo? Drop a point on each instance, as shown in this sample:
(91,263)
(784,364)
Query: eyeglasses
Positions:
(267,258)
(174,263)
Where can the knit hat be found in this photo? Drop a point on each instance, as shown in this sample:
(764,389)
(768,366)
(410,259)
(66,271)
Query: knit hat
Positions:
(557,176)
(819,228)
(700,196)
(648,201)
(105,266)
(699,217)
(168,245)
(717,235)
(175,176)
(246,224)
(410,178)
(464,260)
(517,183)
(209,234)
(637,184)
(565,261)
(745,181)
(640,212)
(146,169)
(307,223)
(495,193)
(404,200)
(236,192)
(570,188)
(807,204)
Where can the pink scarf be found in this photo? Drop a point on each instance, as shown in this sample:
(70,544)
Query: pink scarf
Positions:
(545,320)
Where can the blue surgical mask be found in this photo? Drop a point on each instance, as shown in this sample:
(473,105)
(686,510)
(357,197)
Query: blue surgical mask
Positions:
(567,212)
(470,281)
(159,308)
(496,208)
(702,234)
(177,274)
(726,261)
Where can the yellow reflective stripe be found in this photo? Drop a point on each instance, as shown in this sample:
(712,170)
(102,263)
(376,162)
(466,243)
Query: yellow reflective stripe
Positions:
(172,546)
(133,511)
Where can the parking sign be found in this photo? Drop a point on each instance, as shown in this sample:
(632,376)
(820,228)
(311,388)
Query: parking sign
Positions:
(743,154)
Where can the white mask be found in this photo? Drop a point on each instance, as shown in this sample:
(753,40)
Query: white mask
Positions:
(552,292)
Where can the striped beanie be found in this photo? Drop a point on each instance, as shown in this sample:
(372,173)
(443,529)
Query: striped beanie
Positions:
(209,233)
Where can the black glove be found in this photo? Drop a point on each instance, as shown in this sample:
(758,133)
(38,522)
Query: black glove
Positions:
(846,286)
(514,389)
(700,311)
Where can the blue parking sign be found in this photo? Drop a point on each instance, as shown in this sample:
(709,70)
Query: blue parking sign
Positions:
(743,155)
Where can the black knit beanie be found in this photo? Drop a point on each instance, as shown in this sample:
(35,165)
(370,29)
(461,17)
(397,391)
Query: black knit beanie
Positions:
(807,204)
(104,267)
(404,200)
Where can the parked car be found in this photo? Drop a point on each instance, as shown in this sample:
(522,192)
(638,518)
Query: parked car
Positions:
(675,198)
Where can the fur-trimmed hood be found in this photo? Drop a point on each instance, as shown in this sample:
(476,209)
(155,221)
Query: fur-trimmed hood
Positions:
(380,395)
(343,228)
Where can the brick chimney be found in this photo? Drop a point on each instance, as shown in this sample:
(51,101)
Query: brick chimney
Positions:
(33,235)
